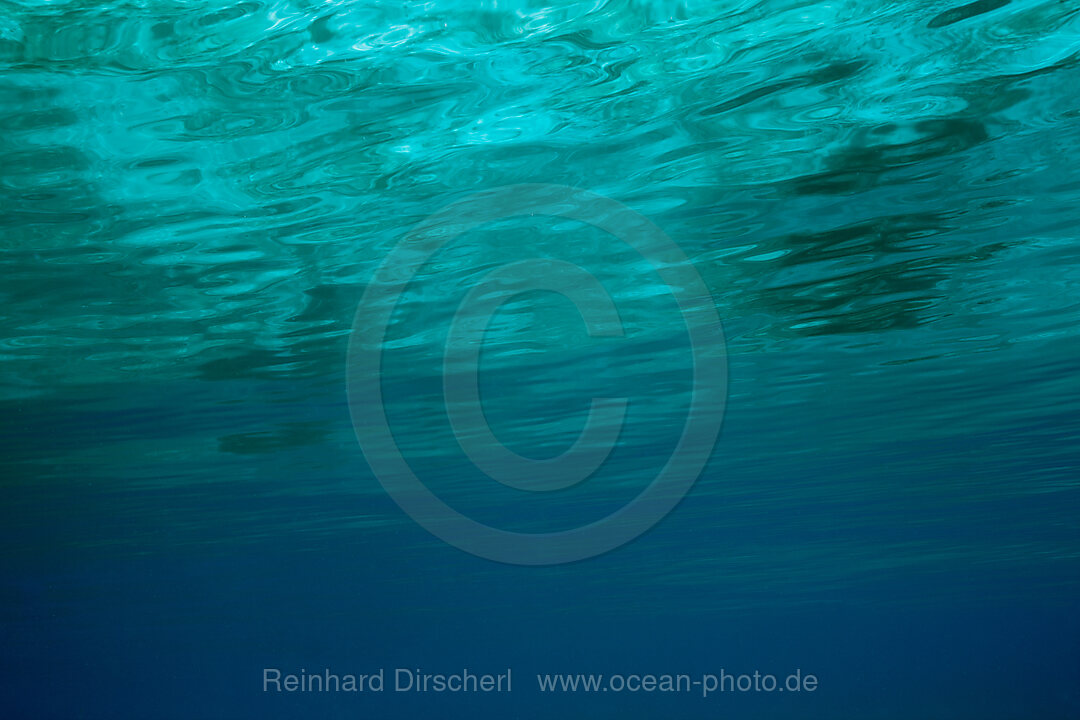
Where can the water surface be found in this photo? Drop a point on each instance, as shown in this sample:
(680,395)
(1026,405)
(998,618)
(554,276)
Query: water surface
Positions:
(880,197)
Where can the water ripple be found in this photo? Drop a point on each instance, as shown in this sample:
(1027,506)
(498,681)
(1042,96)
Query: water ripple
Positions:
(877,194)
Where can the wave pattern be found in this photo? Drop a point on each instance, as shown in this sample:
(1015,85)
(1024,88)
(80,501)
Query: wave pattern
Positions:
(881,197)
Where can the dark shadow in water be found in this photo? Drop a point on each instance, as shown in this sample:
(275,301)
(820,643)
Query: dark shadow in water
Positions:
(861,166)
(830,73)
(886,273)
(287,436)
(964,12)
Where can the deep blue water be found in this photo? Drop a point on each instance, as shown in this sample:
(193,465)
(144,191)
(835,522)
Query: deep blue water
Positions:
(846,230)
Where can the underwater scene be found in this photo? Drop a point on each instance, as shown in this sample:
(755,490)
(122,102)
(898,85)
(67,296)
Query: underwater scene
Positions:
(594,359)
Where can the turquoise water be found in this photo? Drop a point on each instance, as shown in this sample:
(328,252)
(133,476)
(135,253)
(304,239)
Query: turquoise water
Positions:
(879,199)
